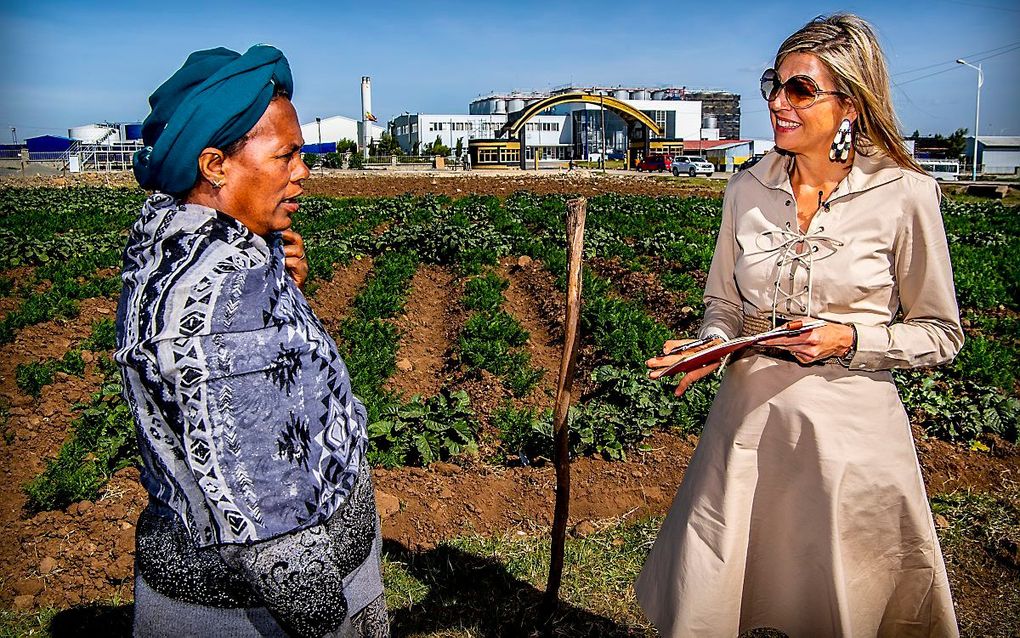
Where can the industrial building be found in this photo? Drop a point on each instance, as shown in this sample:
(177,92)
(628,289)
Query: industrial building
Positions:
(726,155)
(327,131)
(322,134)
(997,154)
(573,130)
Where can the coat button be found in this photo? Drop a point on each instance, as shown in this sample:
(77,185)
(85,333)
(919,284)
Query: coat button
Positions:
(787,202)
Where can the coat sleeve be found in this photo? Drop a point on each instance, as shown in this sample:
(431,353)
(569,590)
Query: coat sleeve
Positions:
(724,316)
(929,333)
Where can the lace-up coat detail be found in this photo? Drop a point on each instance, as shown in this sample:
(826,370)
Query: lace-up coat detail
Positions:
(803,508)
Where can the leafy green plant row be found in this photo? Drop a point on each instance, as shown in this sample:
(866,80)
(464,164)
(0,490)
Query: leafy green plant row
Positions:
(423,431)
(59,301)
(369,342)
(420,431)
(493,340)
(42,213)
(103,441)
(625,408)
(33,377)
(102,249)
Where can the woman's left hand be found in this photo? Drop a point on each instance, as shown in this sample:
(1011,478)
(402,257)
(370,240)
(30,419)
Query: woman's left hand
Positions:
(296,260)
(830,340)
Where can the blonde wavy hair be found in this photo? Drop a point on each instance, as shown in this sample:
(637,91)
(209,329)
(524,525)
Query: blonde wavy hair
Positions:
(847,46)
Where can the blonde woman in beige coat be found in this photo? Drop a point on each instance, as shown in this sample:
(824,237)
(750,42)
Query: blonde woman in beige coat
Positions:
(803,508)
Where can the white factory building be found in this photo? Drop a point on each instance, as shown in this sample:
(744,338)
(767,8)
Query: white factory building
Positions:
(571,130)
(997,154)
(333,129)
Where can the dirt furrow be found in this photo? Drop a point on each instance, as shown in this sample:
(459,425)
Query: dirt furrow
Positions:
(332,299)
(421,507)
(85,552)
(429,326)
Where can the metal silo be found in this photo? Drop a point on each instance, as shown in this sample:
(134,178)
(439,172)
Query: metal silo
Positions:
(639,95)
(621,94)
(94,133)
(515,104)
(130,131)
(498,105)
(658,95)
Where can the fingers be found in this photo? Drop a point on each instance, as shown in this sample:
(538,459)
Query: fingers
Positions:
(691,377)
(674,343)
(661,364)
(293,246)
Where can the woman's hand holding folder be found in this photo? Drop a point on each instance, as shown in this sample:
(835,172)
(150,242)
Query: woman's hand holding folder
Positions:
(675,351)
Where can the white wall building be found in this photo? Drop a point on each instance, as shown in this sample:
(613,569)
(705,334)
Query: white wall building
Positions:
(997,154)
(564,131)
(337,128)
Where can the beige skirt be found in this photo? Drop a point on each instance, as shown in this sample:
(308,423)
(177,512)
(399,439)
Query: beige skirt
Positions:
(803,509)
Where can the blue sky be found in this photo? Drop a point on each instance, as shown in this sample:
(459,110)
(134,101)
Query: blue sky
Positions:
(68,63)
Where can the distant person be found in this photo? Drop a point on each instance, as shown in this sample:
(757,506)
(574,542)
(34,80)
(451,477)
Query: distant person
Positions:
(803,508)
(261,518)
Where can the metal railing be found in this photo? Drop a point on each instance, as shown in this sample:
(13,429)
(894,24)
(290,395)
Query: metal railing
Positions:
(100,158)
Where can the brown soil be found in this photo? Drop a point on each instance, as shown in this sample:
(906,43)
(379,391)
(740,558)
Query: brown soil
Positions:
(428,328)
(456,185)
(669,308)
(332,299)
(947,467)
(447,500)
(545,348)
(58,556)
(452,184)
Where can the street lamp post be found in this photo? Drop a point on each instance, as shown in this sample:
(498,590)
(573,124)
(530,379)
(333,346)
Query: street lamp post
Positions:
(602,108)
(977,114)
(318,148)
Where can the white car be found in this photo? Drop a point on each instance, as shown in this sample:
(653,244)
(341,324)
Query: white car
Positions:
(685,164)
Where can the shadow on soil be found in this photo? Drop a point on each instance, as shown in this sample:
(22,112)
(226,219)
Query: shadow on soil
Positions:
(467,593)
(476,594)
(93,620)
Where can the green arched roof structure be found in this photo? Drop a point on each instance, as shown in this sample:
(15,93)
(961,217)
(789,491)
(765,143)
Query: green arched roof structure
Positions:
(517,119)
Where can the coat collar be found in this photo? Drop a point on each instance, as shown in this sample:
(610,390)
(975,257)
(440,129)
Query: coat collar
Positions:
(867,172)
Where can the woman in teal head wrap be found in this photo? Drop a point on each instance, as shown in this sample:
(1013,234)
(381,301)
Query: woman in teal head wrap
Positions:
(262,517)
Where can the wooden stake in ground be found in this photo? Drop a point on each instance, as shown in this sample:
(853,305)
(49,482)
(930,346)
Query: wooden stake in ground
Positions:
(576,211)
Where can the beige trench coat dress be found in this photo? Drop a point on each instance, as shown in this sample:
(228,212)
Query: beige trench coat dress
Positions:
(803,508)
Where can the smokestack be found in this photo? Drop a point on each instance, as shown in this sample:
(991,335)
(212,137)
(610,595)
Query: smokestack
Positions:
(366,114)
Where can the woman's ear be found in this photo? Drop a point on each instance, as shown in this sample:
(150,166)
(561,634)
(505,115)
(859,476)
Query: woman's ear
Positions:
(850,111)
(210,166)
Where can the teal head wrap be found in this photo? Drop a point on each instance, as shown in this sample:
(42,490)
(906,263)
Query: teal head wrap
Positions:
(213,100)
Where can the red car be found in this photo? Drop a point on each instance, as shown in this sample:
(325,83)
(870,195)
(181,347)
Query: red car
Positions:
(658,163)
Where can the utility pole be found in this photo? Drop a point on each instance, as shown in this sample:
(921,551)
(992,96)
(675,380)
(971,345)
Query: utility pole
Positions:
(977,114)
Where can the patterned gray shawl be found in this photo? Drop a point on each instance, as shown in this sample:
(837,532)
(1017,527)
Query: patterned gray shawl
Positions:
(246,421)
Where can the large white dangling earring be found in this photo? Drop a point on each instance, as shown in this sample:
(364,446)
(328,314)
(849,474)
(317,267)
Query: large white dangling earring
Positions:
(841,144)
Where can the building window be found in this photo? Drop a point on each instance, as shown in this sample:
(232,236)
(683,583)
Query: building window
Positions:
(488,155)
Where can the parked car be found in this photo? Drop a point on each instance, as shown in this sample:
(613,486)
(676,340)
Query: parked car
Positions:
(750,162)
(655,163)
(685,164)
